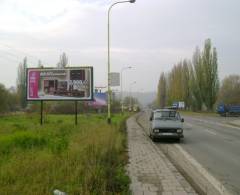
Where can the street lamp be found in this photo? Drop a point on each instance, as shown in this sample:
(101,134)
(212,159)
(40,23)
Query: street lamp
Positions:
(131,93)
(109,88)
(124,68)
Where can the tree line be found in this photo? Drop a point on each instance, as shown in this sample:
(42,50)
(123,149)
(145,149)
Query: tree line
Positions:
(196,82)
(14,98)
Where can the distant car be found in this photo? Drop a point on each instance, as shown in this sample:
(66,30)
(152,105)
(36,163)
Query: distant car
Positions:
(166,123)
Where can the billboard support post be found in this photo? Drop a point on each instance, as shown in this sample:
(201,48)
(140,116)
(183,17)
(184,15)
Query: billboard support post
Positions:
(76,112)
(41,119)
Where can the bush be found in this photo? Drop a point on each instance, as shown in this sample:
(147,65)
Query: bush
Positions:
(21,140)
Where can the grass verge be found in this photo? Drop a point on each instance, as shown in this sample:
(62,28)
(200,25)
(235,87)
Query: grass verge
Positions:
(84,159)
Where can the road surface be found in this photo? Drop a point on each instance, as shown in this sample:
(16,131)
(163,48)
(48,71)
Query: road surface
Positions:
(214,144)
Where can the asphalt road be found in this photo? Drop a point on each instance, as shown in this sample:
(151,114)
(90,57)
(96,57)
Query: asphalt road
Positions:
(215,145)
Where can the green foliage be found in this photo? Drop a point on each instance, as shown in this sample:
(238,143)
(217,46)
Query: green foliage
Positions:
(115,104)
(21,83)
(194,82)
(186,82)
(3,99)
(210,75)
(162,91)
(230,90)
(20,140)
(178,87)
(55,107)
(84,159)
(8,100)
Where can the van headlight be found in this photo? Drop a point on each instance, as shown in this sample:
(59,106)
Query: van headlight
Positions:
(156,130)
(179,130)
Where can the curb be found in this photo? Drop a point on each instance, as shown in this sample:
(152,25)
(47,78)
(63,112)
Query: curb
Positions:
(195,173)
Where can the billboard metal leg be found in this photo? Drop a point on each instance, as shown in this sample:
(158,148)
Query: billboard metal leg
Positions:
(41,120)
(76,112)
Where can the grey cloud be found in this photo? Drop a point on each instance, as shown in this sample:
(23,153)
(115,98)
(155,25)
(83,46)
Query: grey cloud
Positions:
(150,35)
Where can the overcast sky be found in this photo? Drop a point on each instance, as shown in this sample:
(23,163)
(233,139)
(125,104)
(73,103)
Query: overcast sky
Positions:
(150,35)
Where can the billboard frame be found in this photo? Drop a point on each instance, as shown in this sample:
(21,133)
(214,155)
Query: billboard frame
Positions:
(52,68)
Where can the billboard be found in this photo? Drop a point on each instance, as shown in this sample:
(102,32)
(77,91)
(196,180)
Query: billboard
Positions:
(71,83)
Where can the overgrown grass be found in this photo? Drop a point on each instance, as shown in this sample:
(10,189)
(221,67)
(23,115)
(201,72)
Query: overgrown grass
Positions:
(87,159)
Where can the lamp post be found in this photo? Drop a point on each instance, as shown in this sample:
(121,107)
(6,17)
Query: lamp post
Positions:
(131,93)
(109,88)
(124,68)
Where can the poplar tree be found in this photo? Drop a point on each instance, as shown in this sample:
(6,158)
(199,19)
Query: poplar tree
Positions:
(21,83)
(162,91)
(210,75)
(197,80)
(63,61)
(186,64)
(196,83)
(40,64)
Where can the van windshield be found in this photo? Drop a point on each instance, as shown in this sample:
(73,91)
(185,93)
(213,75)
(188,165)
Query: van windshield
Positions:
(172,115)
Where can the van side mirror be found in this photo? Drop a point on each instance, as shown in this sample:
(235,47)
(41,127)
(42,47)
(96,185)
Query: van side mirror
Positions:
(182,120)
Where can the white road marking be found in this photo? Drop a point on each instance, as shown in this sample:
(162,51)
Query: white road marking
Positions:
(207,130)
(231,126)
(210,131)
(217,123)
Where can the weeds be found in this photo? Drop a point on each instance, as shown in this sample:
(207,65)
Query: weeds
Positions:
(87,159)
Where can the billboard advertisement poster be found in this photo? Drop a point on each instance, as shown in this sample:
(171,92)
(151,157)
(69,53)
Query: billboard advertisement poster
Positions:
(71,83)
(100,100)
